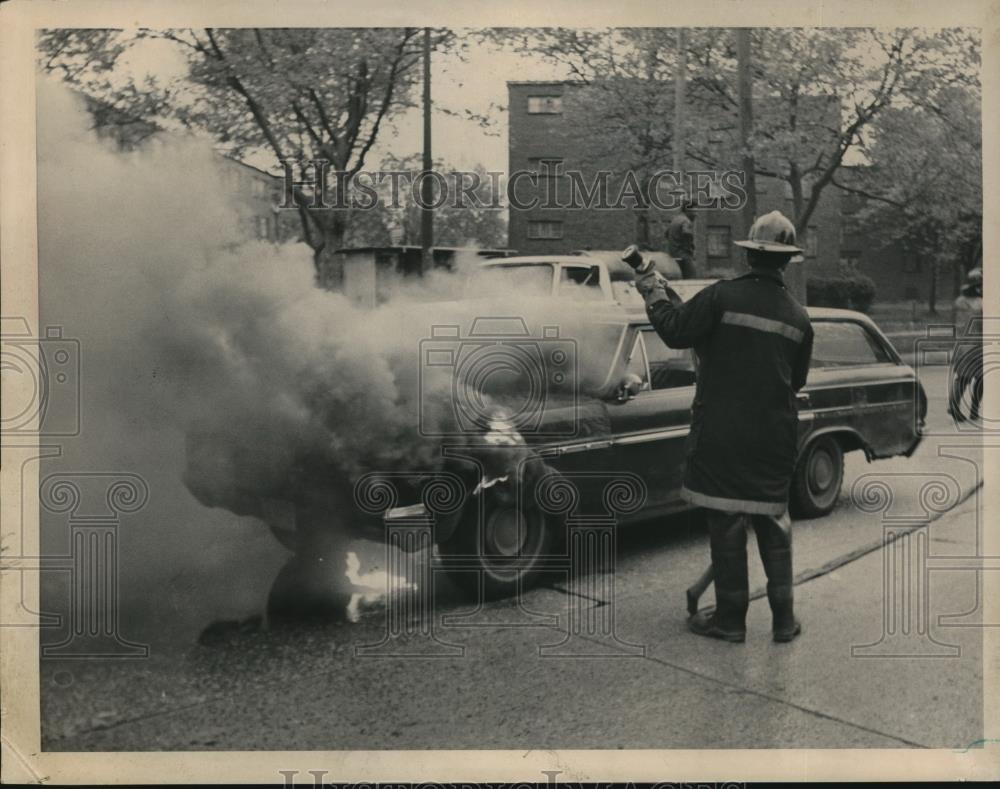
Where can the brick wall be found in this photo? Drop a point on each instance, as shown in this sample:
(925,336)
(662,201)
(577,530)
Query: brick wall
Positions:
(564,135)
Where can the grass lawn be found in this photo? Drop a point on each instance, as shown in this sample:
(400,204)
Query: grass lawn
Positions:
(910,316)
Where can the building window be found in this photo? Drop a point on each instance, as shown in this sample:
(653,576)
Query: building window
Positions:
(544,105)
(850,261)
(545,229)
(812,241)
(263,227)
(720,239)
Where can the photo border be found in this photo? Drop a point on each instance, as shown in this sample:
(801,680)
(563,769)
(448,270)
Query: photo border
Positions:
(23,759)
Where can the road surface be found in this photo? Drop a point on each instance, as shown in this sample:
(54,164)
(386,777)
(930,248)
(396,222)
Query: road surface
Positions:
(604,661)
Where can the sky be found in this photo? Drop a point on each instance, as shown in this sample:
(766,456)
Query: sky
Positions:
(477,82)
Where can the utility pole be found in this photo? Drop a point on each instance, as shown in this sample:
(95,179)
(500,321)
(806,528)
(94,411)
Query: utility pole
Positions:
(680,88)
(680,112)
(745,91)
(426,186)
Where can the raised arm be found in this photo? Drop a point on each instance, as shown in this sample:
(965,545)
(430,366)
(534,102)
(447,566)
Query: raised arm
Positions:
(679,326)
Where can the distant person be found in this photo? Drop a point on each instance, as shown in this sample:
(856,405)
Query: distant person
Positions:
(967,364)
(680,239)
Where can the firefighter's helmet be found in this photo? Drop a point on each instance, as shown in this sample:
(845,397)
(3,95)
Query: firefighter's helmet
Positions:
(772,232)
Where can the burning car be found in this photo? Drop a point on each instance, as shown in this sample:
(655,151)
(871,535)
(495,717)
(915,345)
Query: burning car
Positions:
(540,424)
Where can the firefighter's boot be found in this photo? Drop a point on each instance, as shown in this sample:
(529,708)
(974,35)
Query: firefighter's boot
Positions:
(727,532)
(776,556)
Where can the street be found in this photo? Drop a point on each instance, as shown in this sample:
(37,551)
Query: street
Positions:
(533,676)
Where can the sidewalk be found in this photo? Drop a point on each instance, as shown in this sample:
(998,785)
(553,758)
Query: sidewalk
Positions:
(921,689)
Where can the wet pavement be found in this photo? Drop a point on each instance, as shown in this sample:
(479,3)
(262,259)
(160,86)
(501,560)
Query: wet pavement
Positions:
(601,660)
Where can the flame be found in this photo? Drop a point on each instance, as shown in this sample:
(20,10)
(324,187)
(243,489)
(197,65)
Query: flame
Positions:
(370,587)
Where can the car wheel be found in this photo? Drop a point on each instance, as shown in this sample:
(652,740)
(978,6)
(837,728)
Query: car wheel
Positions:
(818,477)
(503,550)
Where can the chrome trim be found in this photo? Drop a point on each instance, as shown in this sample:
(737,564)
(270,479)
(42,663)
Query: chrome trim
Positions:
(408,512)
(627,439)
(653,435)
(584,447)
(902,379)
(853,407)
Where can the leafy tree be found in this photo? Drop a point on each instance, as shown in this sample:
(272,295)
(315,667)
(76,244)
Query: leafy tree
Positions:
(290,93)
(923,186)
(817,93)
(478,220)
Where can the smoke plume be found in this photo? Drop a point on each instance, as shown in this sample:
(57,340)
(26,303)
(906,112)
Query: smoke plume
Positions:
(217,361)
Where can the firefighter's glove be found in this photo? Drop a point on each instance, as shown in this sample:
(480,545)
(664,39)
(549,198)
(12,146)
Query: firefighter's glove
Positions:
(653,283)
(648,281)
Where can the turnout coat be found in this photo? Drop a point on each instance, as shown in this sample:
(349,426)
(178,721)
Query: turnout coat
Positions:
(754,342)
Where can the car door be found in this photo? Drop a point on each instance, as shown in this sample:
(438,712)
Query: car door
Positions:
(651,428)
(855,384)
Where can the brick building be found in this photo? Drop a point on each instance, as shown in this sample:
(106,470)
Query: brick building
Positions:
(548,124)
(255,192)
(899,271)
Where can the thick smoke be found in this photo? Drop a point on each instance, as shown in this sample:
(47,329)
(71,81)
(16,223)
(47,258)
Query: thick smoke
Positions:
(218,361)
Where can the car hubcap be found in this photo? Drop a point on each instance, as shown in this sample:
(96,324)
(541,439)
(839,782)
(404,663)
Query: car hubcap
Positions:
(506,534)
(822,472)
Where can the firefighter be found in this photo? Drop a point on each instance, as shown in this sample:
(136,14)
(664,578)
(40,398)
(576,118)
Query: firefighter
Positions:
(753,341)
(680,239)
(967,365)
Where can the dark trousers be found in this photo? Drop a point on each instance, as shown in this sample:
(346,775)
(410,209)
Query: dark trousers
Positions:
(686,264)
(728,536)
(966,373)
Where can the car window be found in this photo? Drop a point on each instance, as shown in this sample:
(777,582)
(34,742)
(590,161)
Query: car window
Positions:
(669,368)
(636,361)
(580,282)
(844,343)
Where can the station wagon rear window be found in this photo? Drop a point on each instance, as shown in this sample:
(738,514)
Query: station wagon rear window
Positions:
(843,344)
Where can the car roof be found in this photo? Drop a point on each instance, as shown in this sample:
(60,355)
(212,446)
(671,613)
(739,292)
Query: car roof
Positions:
(617,269)
(638,315)
(522,259)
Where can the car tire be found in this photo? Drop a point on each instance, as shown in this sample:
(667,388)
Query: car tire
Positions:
(818,478)
(306,591)
(502,552)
